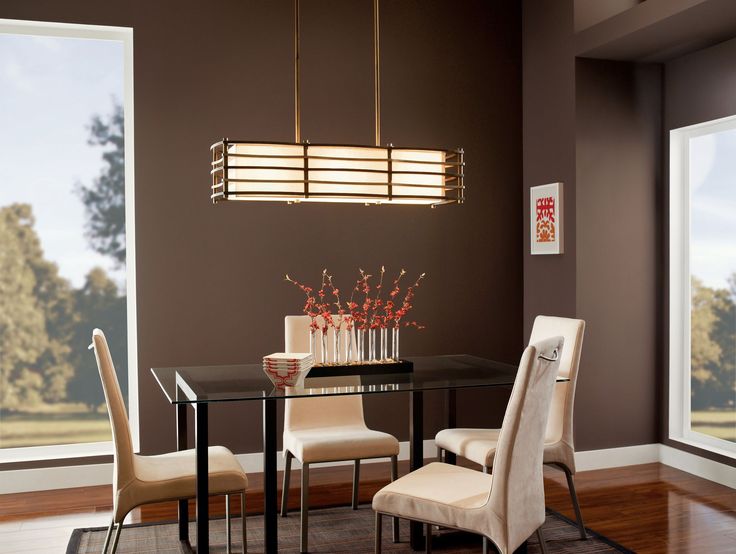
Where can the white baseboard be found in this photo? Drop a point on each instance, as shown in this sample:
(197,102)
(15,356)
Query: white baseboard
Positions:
(27,480)
(617,457)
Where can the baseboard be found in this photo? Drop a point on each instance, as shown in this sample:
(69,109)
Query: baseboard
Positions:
(617,457)
(28,480)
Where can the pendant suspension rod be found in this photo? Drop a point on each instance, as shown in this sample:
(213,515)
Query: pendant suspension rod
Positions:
(377,70)
(297,88)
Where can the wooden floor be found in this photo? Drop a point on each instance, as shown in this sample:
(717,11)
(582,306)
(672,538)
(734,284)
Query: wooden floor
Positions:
(648,508)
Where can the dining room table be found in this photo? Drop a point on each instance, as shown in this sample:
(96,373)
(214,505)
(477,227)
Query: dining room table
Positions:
(200,386)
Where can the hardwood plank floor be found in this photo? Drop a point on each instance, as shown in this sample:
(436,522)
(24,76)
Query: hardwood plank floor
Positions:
(648,508)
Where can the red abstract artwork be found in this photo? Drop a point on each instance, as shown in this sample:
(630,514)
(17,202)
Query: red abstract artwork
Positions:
(546,219)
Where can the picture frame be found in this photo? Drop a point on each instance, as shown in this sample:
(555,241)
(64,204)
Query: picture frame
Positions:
(546,219)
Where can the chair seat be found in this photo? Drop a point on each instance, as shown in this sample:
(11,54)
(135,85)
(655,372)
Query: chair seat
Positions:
(173,475)
(476,445)
(329,444)
(436,493)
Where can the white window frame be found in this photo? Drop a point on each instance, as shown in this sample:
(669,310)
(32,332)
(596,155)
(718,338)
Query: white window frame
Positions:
(680,295)
(124,35)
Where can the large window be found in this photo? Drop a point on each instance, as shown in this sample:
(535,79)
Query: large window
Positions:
(703,285)
(66,225)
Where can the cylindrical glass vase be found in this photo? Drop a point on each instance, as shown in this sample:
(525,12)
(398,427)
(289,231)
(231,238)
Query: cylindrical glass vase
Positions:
(323,356)
(348,345)
(313,344)
(336,345)
(395,344)
(371,345)
(384,343)
(360,337)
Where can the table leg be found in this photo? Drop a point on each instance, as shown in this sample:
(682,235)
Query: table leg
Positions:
(451,398)
(416,454)
(181,444)
(201,445)
(270,510)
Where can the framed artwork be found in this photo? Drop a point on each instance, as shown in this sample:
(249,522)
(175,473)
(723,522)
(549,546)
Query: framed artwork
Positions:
(546,218)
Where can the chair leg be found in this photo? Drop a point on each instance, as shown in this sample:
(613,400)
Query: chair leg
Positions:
(377,534)
(356,481)
(428,538)
(439,454)
(304,540)
(117,538)
(486,469)
(107,537)
(540,538)
(285,487)
(486,544)
(244,518)
(227,525)
(394,476)
(575,503)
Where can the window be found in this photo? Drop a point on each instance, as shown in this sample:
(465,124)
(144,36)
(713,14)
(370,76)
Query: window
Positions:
(66,234)
(703,285)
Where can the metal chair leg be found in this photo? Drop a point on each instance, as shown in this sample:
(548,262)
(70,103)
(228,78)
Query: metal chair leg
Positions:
(428,538)
(486,469)
(439,454)
(285,487)
(356,481)
(377,534)
(107,537)
(486,544)
(227,525)
(304,525)
(117,538)
(575,503)
(540,538)
(394,476)
(244,518)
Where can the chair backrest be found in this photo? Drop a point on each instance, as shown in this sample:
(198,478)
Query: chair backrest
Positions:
(123,467)
(517,489)
(327,411)
(560,424)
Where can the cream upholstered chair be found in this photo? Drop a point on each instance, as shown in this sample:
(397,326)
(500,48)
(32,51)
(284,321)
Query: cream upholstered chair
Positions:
(141,480)
(327,429)
(507,506)
(479,445)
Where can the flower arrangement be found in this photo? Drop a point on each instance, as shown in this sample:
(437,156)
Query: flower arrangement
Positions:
(365,312)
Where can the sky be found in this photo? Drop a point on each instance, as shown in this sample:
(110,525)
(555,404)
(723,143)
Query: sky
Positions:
(713,207)
(49,90)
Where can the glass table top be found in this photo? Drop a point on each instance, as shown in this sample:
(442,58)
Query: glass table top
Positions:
(228,383)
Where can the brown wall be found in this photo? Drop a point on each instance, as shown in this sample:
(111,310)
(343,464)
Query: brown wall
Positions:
(209,277)
(618,120)
(698,87)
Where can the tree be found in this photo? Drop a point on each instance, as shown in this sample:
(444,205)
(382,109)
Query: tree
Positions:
(37,318)
(104,201)
(98,305)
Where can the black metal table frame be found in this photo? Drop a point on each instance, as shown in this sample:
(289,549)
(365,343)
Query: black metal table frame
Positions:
(270,471)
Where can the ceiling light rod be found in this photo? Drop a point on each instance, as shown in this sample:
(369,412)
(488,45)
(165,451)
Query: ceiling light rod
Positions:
(304,172)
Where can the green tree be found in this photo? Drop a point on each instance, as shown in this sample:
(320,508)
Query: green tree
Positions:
(37,316)
(98,305)
(104,200)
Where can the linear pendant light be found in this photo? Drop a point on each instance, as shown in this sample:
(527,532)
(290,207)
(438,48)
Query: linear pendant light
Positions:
(305,172)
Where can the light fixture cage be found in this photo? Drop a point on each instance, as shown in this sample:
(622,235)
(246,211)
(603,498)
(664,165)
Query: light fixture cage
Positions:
(304,172)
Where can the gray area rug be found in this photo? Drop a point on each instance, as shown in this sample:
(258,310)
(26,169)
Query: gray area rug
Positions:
(330,530)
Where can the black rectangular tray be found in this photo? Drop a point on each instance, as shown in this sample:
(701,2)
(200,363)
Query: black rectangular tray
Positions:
(402,366)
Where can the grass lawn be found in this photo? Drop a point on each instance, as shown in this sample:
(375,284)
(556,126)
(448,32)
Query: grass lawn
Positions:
(716,423)
(42,429)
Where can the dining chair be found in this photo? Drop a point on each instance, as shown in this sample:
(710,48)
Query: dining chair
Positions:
(139,480)
(507,506)
(327,429)
(479,445)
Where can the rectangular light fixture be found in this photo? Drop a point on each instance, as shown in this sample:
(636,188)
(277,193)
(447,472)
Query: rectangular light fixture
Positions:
(289,172)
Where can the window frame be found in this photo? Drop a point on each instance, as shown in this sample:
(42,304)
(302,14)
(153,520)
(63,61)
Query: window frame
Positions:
(124,35)
(679,428)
